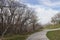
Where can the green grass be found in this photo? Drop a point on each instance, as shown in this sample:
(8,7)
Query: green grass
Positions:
(16,37)
(54,35)
(19,37)
(52,26)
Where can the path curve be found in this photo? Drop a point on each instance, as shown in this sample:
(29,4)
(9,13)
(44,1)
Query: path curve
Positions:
(41,35)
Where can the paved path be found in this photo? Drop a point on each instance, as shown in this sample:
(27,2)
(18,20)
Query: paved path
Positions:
(40,35)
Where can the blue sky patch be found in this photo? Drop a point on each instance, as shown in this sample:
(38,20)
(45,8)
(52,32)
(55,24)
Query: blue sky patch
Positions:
(33,2)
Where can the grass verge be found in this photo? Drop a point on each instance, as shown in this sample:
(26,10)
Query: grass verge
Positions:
(16,37)
(54,35)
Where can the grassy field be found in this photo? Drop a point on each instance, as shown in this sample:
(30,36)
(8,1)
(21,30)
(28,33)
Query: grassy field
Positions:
(52,26)
(54,35)
(19,37)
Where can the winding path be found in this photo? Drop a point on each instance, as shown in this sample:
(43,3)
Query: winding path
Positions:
(40,35)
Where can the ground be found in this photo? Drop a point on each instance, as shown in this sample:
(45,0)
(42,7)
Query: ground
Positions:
(54,35)
(16,37)
(41,35)
(19,37)
(51,32)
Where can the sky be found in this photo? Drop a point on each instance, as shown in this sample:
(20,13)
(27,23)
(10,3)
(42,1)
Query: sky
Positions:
(45,9)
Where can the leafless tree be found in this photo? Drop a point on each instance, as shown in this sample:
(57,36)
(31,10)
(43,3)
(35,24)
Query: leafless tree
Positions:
(56,18)
(16,18)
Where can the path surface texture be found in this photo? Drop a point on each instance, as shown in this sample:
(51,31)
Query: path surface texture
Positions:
(41,35)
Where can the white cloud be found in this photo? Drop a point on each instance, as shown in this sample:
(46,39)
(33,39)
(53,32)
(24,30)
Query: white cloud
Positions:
(49,2)
(43,14)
